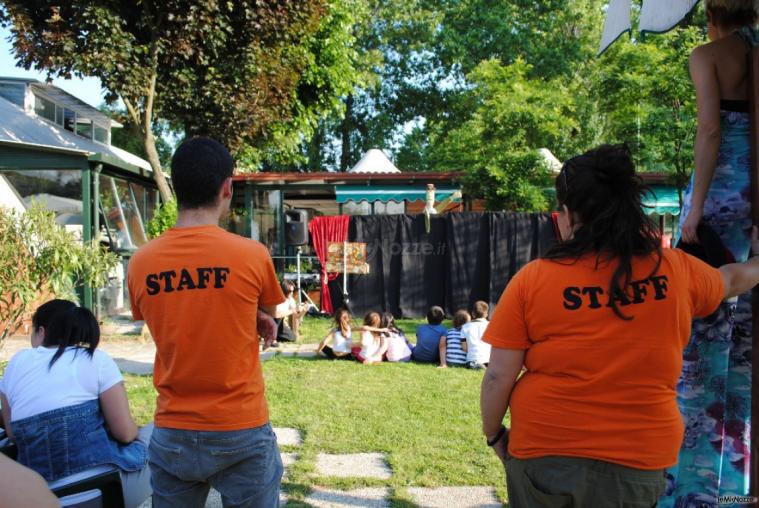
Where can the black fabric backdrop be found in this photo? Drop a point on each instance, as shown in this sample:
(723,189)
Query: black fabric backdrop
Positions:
(464,258)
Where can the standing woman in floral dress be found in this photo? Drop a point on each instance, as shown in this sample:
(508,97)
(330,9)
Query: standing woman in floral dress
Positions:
(714,392)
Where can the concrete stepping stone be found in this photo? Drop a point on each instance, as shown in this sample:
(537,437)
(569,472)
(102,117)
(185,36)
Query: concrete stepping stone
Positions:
(287,436)
(353,465)
(461,497)
(288,459)
(367,497)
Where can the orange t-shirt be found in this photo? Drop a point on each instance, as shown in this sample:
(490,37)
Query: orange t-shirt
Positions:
(597,386)
(198,289)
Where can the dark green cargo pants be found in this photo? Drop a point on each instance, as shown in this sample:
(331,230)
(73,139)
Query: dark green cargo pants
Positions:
(569,482)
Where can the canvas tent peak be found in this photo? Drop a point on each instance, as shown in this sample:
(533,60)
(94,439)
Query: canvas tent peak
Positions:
(374,161)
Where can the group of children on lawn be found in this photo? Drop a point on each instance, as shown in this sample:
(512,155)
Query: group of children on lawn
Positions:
(379,339)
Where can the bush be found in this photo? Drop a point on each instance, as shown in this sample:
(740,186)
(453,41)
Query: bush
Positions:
(38,257)
(164,218)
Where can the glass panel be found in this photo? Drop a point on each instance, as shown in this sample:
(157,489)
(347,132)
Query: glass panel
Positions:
(101,134)
(13,92)
(56,190)
(84,127)
(144,198)
(59,115)
(264,226)
(350,207)
(69,118)
(44,108)
(122,216)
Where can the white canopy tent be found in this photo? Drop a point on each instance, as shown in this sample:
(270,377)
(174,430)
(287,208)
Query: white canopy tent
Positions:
(374,161)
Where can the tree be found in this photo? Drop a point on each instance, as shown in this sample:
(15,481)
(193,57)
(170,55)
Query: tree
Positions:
(513,115)
(646,99)
(129,137)
(222,68)
(37,256)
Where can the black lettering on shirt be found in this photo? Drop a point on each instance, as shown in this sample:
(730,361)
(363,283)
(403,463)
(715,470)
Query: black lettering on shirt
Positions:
(167,281)
(151,281)
(593,293)
(204,277)
(167,276)
(219,277)
(572,300)
(185,281)
(660,286)
(594,297)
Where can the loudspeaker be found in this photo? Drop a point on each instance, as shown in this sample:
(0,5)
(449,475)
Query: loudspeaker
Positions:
(296,227)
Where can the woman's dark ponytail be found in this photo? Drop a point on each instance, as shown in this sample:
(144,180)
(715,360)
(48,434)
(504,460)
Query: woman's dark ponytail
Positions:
(602,188)
(75,326)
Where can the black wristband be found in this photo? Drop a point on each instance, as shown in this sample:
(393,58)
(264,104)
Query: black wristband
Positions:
(498,436)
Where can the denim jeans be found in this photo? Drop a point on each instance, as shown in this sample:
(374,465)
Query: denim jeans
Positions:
(243,465)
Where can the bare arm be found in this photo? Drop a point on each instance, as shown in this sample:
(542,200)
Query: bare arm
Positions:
(326,340)
(442,347)
(708,133)
(22,487)
(115,406)
(497,384)
(7,416)
(741,277)
(275,311)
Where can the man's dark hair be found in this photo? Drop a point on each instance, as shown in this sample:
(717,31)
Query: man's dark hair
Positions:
(435,315)
(75,326)
(198,170)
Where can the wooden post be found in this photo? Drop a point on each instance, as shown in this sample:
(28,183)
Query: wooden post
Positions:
(754,111)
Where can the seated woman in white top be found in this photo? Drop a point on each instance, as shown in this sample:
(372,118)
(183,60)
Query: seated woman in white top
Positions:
(65,405)
(338,342)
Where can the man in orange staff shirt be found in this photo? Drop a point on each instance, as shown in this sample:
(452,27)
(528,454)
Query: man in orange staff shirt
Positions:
(199,289)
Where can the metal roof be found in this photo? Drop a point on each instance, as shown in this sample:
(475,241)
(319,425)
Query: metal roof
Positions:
(73,103)
(18,127)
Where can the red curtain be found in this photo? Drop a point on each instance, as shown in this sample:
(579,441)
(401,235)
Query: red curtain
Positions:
(325,230)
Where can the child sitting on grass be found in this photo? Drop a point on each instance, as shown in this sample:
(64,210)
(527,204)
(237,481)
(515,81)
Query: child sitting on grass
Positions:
(477,352)
(398,348)
(427,349)
(453,345)
(373,344)
(340,337)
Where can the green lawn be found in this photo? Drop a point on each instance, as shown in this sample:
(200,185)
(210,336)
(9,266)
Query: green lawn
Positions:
(426,421)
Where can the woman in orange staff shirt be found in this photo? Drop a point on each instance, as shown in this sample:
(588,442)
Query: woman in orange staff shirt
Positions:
(600,324)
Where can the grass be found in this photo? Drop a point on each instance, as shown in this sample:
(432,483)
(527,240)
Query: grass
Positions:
(426,421)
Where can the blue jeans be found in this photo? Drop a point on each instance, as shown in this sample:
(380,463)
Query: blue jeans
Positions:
(243,465)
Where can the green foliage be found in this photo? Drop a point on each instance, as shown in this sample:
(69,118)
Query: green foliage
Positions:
(165,217)
(253,74)
(129,137)
(646,98)
(37,255)
(513,115)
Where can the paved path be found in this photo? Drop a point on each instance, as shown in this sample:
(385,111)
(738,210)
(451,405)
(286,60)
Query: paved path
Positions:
(136,356)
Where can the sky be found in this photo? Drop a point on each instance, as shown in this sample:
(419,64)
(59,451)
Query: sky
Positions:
(87,89)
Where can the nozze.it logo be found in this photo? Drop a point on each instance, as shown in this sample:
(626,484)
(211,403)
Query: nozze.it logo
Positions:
(730,499)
